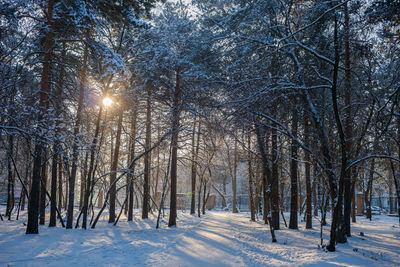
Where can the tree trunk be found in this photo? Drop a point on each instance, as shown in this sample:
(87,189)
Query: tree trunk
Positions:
(261,147)
(60,185)
(56,146)
(10,185)
(75,153)
(293,221)
(250,169)
(353,198)
(83,180)
(195,151)
(315,189)
(91,169)
(193,173)
(28,167)
(158,164)
(337,226)
(147,159)
(347,122)
(396,177)
(275,180)
(111,216)
(265,188)
(53,191)
(42,205)
(176,109)
(390,185)
(199,196)
(203,207)
(234,176)
(32,226)
(132,156)
(307,174)
(368,192)
(66,188)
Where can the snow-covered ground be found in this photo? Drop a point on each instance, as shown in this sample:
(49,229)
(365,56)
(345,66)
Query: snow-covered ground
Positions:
(217,239)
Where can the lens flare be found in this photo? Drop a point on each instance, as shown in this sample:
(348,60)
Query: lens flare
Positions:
(107,101)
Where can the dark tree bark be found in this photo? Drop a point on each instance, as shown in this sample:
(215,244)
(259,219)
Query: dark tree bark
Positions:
(337,233)
(157,178)
(267,170)
(75,153)
(42,204)
(250,176)
(83,180)
(391,200)
(10,178)
(147,159)
(56,146)
(53,190)
(234,176)
(33,211)
(60,185)
(132,156)
(114,165)
(275,180)
(205,197)
(307,175)
(176,110)
(92,160)
(66,188)
(395,176)
(347,122)
(264,185)
(368,192)
(195,152)
(193,172)
(293,221)
(27,173)
(199,196)
(314,188)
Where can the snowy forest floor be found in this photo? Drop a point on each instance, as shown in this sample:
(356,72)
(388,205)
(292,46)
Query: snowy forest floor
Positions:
(216,239)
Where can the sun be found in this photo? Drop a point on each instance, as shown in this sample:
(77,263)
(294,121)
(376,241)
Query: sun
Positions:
(107,101)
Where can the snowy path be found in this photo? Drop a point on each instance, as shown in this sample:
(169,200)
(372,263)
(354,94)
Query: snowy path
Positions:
(217,239)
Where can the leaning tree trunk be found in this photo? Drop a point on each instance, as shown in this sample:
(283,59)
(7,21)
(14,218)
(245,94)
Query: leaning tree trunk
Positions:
(174,153)
(91,169)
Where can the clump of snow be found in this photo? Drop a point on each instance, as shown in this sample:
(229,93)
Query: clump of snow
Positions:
(216,239)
